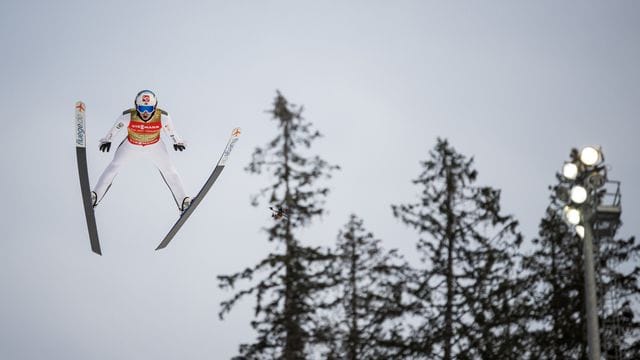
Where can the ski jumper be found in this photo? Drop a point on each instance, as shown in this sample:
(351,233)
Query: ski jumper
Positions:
(143,141)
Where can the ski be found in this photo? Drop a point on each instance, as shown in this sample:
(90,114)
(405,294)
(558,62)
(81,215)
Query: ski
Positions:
(235,134)
(83,173)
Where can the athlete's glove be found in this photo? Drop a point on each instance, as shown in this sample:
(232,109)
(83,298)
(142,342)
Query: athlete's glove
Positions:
(180,147)
(105,146)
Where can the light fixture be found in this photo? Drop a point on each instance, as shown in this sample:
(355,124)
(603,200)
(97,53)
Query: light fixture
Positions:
(562,193)
(578,194)
(570,170)
(572,215)
(580,231)
(590,156)
(596,180)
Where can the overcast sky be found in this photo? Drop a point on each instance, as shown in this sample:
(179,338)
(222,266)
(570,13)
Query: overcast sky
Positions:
(515,84)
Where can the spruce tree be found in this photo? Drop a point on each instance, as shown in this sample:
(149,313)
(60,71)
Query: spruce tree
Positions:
(288,279)
(469,293)
(556,271)
(369,289)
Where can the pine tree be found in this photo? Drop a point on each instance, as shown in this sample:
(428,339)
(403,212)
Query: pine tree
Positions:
(467,285)
(369,287)
(290,277)
(556,272)
(555,269)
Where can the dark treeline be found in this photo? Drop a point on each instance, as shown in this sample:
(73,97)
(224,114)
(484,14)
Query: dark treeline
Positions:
(476,292)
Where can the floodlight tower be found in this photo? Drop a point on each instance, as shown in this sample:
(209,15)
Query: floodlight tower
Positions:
(585,174)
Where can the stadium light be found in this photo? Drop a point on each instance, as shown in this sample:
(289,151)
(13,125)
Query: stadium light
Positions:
(572,215)
(570,170)
(590,156)
(578,194)
(583,176)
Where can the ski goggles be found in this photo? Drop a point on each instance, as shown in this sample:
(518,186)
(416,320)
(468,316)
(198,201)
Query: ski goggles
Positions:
(145,108)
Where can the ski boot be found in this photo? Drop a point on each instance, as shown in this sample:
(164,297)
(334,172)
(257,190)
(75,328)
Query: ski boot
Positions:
(185,204)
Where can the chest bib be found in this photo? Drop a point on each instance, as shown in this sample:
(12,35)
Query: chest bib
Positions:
(144,132)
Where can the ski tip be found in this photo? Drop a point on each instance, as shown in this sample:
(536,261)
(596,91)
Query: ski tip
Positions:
(80,107)
(80,125)
(236,132)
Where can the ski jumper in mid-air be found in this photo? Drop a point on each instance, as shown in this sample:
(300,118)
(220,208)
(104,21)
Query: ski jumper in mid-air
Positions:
(144,123)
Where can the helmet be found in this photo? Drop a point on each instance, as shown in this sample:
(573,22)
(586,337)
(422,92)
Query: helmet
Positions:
(146,102)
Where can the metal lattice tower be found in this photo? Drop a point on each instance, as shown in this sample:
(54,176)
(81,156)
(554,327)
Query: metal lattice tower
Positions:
(605,226)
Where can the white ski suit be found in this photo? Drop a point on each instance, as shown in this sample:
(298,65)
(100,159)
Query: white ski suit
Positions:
(143,141)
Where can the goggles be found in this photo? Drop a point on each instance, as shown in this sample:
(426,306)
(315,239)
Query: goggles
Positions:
(145,108)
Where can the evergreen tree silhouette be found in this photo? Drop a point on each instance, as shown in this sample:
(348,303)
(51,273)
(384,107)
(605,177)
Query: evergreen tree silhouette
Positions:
(288,279)
(468,286)
(369,287)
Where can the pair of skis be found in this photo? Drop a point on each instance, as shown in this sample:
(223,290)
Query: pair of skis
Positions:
(83,173)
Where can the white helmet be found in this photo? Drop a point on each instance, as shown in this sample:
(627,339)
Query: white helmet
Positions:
(146,101)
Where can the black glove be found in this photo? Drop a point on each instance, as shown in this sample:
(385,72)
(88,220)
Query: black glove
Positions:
(177,147)
(105,146)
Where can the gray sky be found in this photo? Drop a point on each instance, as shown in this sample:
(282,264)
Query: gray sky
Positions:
(515,84)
